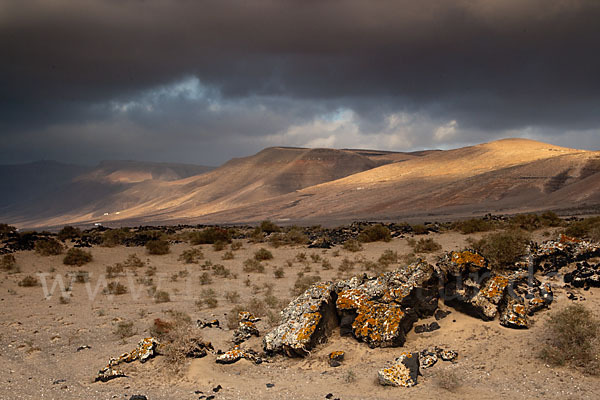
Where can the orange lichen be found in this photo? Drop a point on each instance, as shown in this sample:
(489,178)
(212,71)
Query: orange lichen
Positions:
(494,287)
(467,257)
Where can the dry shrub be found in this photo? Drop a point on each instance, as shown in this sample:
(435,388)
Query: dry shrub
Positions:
(157,247)
(29,281)
(48,247)
(221,271)
(209,298)
(263,254)
(447,379)
(161,296)
(77,257)
(69,232)
(279,273)
(228,255)
(115,288)
(180,340)
(304,282)
(124,329)
(219,245)
(133,261)
(233,316)
(326,264)
(571,336)
(473,225)
(232,297)
(426,246)
(205,279)
(8,262)
(236,245)
(388,257)
(504,248)
(115,237)
(114,270)
(257,307)
(210,236)
(346,265)
(191,256)
(352,245)
(419,229)
(588,228)
(375,233)
(253,265)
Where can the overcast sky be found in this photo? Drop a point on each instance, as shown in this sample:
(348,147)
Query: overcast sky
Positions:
(201,81)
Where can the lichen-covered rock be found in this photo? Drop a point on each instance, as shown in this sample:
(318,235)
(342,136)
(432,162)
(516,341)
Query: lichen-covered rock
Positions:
(246,327)
(236,354)
(427,358)
(514,314)
(555,254)
(402,372)
(208,324)
(306,321)
(525,296)
(335,358)
(145,350)
(379,311)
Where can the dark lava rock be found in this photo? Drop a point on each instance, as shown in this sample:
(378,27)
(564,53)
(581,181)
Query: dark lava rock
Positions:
(441,314)
(138,397)
(427,327)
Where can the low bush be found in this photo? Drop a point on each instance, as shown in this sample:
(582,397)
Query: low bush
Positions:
(502,249)
(191,256)
(303,282)
(269,227)
(473,225)
(232,297)
(48,247)
(426,246)
(160,296)
(236,245)
(115,237)
(220,271)
(157,247)
(263,254)
(375,233)
(29,281)
(388,257)
(8,262)
(346,265)
(419,229)
(124,329)
(133,261)
(279,273)
(76,256)
(253,265)
(205,279)
(209,298)
(352,245)
(210,236)
(219,245)
(228,255)
(588,228)
(114,270)
(69,232)
(115,288)
(571,336)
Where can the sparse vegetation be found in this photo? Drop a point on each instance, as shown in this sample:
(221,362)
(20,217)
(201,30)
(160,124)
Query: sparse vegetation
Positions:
(279,273)
(209,298)
(268,227)
(221,271)
(124,329)
(232,297)
(571,337)
(504,248)
(115,237)
(352,245)
(158,247)
(29,281)
(473,225)
(115,288)
(304,282)
(228,255)
(447,379)
(76,256)
(588,228)
(263,254)
(388,257)
(346,265)
(133,261)
(219,245)
(326,264)
(191,256)
(205,279)
(48,247)
(8,262)
(253,265)
(419,229)
(426,245)
(210,236)
(375,233)
(114,270)
(161,296)
(236,245)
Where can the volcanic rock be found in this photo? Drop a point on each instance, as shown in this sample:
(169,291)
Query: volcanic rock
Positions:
(402,372)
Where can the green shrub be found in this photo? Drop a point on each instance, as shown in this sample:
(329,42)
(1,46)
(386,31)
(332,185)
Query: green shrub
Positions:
(29,281)
(48,247)
(76,256)
(352,245)
(210,236)
(503,249)
(375,233)
(426,246)
(157,247)
(572,336)
(263,254)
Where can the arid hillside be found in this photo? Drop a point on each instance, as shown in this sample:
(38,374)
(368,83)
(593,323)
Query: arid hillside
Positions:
(320,185)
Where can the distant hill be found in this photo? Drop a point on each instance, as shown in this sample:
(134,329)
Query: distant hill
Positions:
(313,185)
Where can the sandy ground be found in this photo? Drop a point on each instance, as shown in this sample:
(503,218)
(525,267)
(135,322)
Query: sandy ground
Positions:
(39,337)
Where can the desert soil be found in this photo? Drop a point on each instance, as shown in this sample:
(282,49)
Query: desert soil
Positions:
(39,336)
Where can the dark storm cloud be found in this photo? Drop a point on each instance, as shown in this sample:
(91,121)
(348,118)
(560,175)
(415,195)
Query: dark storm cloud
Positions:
(490,65)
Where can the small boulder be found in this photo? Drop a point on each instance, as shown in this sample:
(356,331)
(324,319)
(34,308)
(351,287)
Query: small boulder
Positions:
(335,358)
(402,372)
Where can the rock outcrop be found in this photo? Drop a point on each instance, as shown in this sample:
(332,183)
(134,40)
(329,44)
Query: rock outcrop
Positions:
(246,327)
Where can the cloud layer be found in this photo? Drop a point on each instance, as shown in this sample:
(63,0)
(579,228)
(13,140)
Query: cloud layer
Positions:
(201,81)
